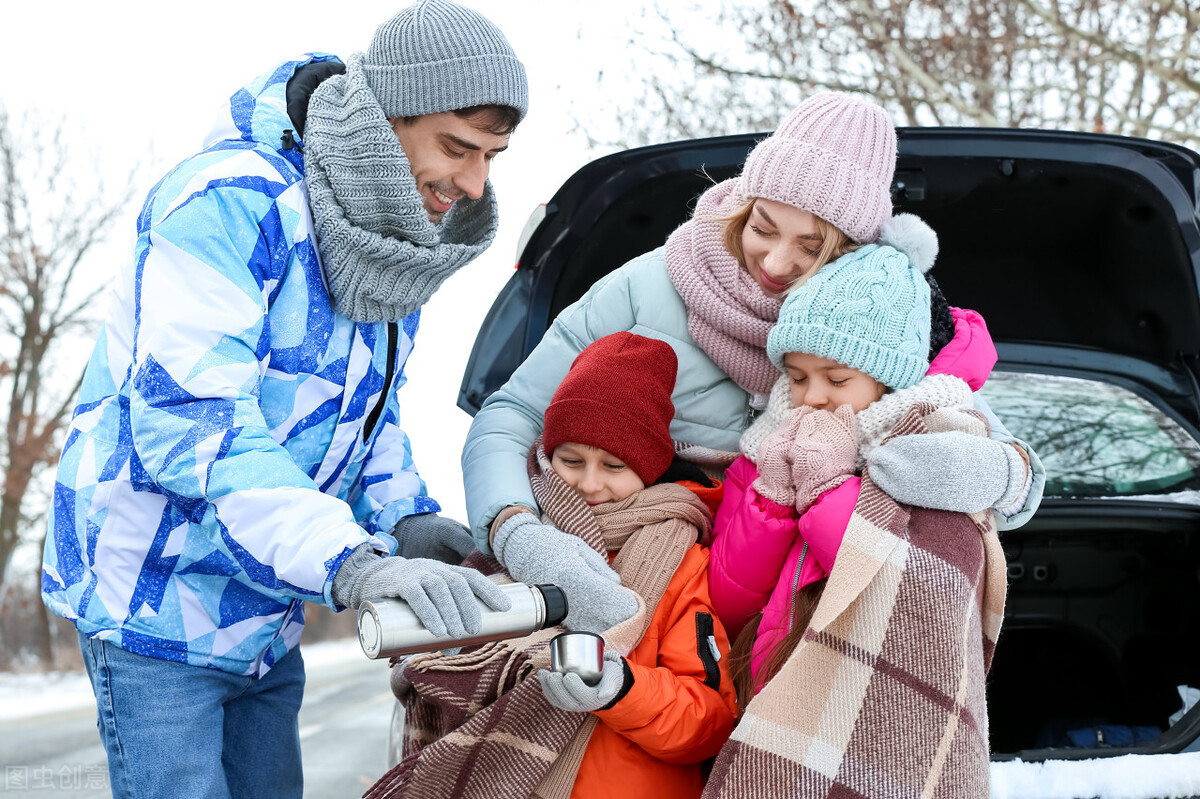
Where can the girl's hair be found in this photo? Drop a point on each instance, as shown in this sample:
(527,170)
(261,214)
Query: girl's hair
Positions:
(834,242)
(804,603)
(941,319)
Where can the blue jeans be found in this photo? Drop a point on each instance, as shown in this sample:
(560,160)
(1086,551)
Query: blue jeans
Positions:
(171,729)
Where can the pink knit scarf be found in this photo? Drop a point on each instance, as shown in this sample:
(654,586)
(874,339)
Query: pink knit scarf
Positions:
(729,316)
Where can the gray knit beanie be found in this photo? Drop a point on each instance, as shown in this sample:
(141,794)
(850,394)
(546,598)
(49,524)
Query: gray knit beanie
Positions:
(438,56)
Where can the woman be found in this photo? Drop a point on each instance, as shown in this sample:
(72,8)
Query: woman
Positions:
(814,190)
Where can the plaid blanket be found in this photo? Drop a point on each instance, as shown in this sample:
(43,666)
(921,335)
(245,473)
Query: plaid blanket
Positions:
(485,700)
(884,697)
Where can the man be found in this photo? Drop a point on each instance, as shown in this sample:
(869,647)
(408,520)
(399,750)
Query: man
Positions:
(236,451)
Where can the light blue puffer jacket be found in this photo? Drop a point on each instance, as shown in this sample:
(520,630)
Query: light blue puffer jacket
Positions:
(710,409)
(219,468)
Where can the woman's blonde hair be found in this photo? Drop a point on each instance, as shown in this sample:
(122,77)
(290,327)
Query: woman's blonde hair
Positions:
(834,243)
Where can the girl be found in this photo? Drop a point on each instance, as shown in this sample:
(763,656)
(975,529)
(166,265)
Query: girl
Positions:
(816,189)
(664,702)
(853,345)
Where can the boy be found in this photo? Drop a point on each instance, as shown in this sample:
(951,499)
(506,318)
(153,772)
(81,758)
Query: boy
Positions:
(664,702)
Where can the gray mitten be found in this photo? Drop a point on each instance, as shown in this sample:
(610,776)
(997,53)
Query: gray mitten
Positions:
(441,596)
(570,692)
(537,553)
(951,470)
(433,537)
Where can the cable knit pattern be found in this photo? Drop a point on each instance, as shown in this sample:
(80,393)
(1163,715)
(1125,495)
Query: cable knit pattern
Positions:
(729,316)
(833,156)
(823,454)
(381,255)
(812,452)
(774,461)
(869,310)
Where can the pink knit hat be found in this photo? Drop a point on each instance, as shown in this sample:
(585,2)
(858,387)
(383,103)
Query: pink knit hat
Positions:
(834,157)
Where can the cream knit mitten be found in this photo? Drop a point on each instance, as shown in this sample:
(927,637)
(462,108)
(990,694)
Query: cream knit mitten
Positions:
(823,454)
(812,452)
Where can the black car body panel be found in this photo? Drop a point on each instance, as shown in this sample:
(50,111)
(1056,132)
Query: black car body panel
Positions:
(1082,253)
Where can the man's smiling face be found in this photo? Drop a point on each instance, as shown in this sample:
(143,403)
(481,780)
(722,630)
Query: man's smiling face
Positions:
(449,155)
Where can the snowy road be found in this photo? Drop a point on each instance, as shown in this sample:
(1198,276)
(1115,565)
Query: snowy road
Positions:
(56,753)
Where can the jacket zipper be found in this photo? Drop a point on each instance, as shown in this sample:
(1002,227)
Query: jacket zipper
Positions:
(796,583)
(373,417)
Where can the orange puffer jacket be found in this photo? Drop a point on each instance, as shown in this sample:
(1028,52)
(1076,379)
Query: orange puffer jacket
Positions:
(681,707)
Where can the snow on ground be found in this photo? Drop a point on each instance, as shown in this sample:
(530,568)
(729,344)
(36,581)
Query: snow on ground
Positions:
(1126,777)
(33,693)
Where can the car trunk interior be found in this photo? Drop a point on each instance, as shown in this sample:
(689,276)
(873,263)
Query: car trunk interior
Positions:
(1083,252)
(1100,626)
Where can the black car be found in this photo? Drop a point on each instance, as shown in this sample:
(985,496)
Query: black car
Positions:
(1082,253)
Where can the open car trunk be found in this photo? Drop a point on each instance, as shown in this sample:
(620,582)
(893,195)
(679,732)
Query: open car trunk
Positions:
(1081,252)
(1099,629)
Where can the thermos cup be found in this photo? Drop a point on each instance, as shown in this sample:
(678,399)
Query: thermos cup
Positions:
(388,626)
(579,653)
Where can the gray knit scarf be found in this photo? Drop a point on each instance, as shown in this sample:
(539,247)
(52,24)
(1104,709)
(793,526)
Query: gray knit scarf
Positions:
(382,256)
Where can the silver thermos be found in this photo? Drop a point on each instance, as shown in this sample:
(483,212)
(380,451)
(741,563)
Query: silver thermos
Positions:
(388,626)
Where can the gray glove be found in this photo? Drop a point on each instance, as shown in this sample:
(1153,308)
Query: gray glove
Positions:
(537,553)
(951,470)
(570,692)
(431,536)
(441,596)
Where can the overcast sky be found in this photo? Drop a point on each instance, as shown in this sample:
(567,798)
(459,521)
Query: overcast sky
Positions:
(141,81)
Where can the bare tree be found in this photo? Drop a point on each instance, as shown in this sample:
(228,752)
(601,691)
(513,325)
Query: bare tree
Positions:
(1117,66)
(55,211)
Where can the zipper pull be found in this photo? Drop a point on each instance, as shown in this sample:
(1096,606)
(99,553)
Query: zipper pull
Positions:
(289,141)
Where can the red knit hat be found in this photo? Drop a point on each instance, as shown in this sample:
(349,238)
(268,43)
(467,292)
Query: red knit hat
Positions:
(617,396)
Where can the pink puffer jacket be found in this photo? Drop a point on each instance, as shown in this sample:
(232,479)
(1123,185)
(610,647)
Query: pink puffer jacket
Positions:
(762,553)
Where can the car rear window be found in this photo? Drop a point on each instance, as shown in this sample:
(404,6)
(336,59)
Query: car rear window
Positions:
(1097,439)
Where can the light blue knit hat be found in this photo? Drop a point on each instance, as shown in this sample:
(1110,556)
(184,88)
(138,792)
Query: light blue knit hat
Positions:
(439,56)
(868,310)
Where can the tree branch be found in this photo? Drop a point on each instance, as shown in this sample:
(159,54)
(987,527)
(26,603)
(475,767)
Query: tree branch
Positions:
(932,87)
(1109,47)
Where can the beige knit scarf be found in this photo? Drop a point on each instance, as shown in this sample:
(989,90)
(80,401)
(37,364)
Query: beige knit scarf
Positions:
(652,530)
(729,316)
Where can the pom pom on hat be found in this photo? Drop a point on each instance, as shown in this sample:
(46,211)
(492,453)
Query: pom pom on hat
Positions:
(834,156)
(909,234)
(868,310)
(437,56)
(617,397)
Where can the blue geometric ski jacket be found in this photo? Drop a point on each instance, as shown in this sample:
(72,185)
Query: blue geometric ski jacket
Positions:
(234,437)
